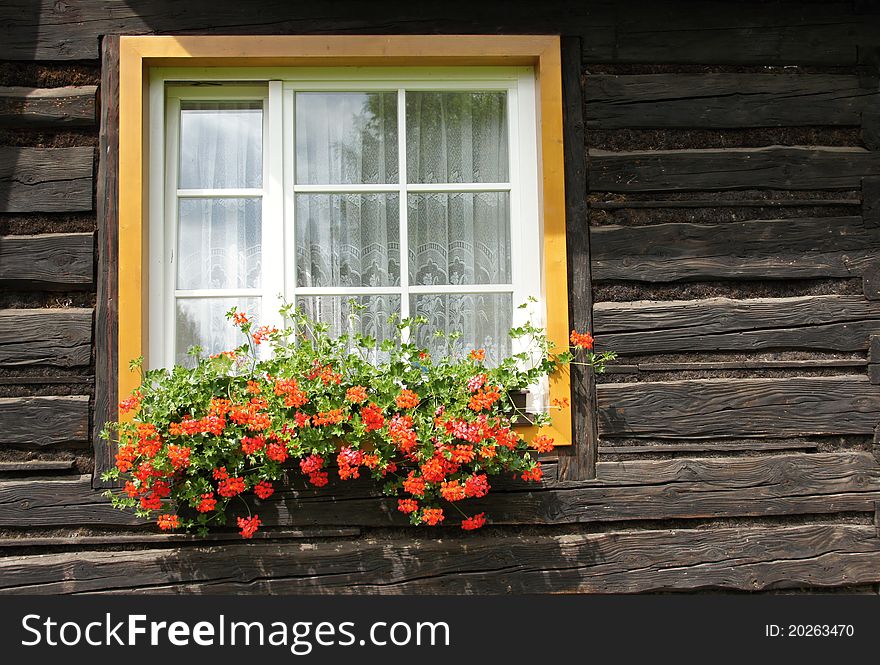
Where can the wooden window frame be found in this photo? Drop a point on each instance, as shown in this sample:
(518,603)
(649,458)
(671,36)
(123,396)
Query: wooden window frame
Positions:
(137,55)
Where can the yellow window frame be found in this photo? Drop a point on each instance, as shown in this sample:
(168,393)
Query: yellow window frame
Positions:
(138,54)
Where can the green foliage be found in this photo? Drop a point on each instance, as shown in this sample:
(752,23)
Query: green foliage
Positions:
(431,431)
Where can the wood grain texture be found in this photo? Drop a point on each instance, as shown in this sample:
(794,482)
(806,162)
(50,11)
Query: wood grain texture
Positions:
(722,100)
(44,421)
(731,408)
(616,562)
(70,106)
(735,33)
(819,247)
(107,300)
(46,179)
(34,467)
(48,261)
(773,167)
(871,201)
(634,490)
(833,323)
(635,31)
(60,338)
(577,461)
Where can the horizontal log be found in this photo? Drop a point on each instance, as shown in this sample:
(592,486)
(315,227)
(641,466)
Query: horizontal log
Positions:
(774,167)
(833,323)
(70,106)
(46,179)
(760,200)
(733,558)
(807,248)
(714,100)
(44,421)
(635,31)
(656,489)
(748,364)
(36,466)
(732,33)
(707,447)
(49,261)
(148,538)
(56,337)
(733,408)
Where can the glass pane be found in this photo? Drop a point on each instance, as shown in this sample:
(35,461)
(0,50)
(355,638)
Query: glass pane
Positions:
(218,243)
(221,145)
(346,137)
(202,322)
(347,240)
(459,238)
(483,319)
(337,311)
(456,137)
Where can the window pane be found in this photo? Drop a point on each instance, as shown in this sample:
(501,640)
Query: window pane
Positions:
(484,319)
(346,137)
(221,145)
(347,240)
(456,137)
(202,322)
(460,238)
(218,243)
(336,311)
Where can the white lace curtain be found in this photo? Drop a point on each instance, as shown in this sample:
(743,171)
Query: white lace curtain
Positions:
(352,239)
(454,238)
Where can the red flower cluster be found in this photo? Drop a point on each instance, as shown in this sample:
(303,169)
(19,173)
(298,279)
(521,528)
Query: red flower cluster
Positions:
(407,399)
(432,443)
(349,462)
(581,340)
(356,394)
(229,487)
(264,489)
(475,522)
(168,522)
(249,526)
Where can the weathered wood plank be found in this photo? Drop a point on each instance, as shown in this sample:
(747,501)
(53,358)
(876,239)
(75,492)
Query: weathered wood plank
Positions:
(708,447)
(52,260)
(834,323)
(774,167)
(616,562)
(635,31)
(32,30)
(759,200)
(736,33)
(577,461)
(70,106)
(44,421)
(107,305)
(722,100)
(636,490)
(732,408)
(36,466)
(748,364)
(760,249)
(149,538)
(62,338)
(46,179)
(871,201)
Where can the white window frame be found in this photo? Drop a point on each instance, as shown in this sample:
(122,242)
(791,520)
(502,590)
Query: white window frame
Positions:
(276,87)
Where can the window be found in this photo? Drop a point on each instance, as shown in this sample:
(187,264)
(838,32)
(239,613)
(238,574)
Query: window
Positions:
(412,192)
(419,174)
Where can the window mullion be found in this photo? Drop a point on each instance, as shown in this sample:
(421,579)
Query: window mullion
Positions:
(403,208)
(273,208)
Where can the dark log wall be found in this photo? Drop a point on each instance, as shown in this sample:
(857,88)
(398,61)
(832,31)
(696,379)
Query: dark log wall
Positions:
(723,187)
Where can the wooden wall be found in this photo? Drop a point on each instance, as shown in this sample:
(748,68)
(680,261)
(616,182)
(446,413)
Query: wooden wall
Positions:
(723,185)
